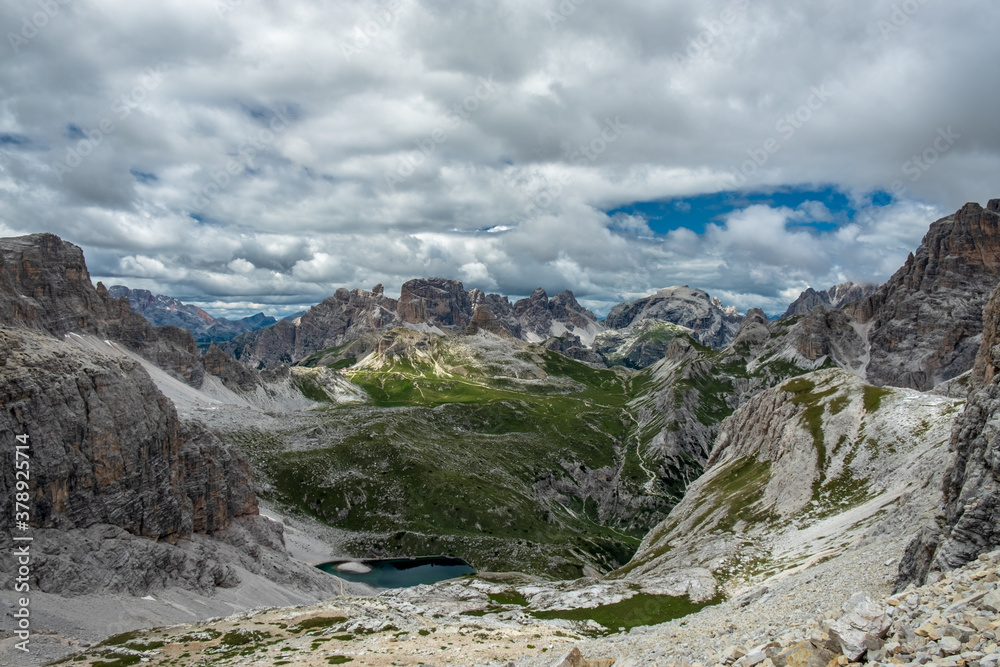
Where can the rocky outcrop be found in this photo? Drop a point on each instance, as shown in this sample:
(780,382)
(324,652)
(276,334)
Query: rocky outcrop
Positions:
(541,317)
(970,524)
(345,316)
(835,297)
(108,448)
(434,301)
(45,285)
(483,319)
(829,334)
(924,323)
(163,311)
(712,324)
(796,455)
(434,304)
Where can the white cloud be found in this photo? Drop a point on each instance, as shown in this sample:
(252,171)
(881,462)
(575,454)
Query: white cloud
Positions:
(306,208)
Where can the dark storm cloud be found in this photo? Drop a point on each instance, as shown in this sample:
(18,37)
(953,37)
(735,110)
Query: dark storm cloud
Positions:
(254,152)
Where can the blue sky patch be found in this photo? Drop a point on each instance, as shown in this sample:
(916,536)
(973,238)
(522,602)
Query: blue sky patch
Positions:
(696,212)
(143,176)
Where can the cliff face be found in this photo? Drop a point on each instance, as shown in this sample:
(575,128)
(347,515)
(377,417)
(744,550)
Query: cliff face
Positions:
(116,477)
(107,447)
(45,285)
(925,321)
(970,524)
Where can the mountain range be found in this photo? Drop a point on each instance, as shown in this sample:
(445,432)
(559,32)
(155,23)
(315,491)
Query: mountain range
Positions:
(675,453)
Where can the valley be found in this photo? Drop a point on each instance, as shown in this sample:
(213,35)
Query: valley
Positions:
(605,482)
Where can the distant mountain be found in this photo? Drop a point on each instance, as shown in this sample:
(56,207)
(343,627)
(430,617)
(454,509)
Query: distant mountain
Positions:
(431,305)
(835,297)
(710,322)
(162,311)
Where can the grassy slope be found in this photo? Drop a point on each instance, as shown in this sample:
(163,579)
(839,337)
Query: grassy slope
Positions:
(511,456)
(449,457)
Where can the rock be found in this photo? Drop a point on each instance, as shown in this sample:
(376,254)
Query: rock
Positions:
(925,321)
(747,599)
(572,658)
(712,325)
(971,489)
(862,628)
(804,655)
(434,301)
(830,299)
(991,602)
(45,285)
(950,645)
(163,310)
(432,304)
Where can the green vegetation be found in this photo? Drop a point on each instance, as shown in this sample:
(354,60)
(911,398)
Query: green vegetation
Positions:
(118,661)
(242,637)
(317,622)
(804,393)
(874,396)
(640,609)
(733,493)
(510,597)
(474,462)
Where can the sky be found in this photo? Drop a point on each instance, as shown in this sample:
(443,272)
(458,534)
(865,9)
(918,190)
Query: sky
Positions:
(249,155)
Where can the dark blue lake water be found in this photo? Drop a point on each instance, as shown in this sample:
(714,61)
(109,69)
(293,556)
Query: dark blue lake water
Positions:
(402,572)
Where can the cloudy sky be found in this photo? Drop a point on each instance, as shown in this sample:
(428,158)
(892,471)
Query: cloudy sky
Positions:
(255,155)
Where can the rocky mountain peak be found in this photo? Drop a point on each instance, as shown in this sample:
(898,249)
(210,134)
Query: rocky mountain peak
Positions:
(435,301)
(835,297)
(681,305)
(926,320)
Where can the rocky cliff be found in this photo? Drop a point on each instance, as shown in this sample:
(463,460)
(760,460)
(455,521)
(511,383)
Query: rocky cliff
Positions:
(108,447)
(45,285)
(834,297)
(117,478)
(693,309)
(924,323)
(970,521)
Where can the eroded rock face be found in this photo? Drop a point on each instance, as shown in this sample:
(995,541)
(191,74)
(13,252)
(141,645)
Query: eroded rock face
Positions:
(692,308)
(925,321)
(45,285)
(108,447)
(434,301)
(970,525)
